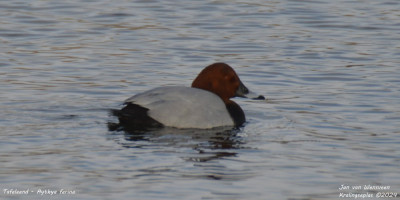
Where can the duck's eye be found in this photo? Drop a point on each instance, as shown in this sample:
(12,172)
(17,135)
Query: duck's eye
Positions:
(231,79)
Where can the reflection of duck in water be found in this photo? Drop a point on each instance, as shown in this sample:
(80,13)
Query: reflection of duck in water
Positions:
(210,144)
(202,149)
(205,105)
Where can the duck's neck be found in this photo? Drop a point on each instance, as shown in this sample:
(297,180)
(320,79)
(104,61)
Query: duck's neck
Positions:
(235,112)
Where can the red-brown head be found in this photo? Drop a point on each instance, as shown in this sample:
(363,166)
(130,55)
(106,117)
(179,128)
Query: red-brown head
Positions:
(222,80)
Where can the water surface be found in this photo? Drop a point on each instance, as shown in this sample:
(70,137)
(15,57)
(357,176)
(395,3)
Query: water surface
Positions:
(329,70)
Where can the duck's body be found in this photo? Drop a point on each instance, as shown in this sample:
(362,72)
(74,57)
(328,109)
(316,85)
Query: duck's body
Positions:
(205,105)
(183,107)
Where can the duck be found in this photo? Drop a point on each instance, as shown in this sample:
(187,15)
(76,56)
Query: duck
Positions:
(206,104)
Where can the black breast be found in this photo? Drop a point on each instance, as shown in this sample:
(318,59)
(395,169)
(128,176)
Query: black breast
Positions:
(236,113)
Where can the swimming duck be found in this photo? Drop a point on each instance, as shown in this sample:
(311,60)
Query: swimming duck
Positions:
(206,104)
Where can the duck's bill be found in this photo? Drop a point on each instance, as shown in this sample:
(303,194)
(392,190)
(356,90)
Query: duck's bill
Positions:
(246,93)
(252,95)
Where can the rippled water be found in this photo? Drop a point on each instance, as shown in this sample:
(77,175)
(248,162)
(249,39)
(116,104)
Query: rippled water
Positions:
(329,70)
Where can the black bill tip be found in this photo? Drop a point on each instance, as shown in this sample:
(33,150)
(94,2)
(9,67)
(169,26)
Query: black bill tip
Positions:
(260,97)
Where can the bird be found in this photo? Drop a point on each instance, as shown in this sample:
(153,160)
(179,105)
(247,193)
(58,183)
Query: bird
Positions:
(206,104)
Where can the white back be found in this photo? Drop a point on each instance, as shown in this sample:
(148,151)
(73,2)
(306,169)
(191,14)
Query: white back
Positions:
(184,107)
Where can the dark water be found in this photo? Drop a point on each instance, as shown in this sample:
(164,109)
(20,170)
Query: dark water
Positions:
(329,69)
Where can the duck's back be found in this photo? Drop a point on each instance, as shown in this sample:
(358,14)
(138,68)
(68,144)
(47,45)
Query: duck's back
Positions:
(184,107)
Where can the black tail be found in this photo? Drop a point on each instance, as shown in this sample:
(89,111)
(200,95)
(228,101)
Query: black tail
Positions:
(135,117)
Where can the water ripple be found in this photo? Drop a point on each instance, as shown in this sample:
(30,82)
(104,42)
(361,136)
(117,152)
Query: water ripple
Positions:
(329,71)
